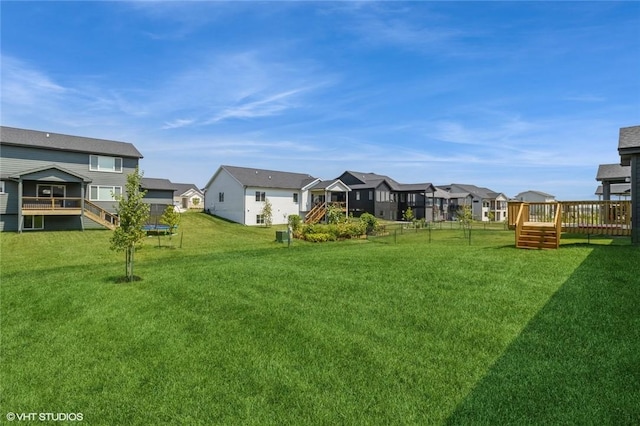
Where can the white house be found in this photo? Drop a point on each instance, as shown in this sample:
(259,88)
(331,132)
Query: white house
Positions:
(239,194)
(532,196)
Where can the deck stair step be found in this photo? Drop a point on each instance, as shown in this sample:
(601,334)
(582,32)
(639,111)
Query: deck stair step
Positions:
(538,235)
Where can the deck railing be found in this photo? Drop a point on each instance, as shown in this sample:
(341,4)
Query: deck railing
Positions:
(49,203)
(597,217)
(580,217)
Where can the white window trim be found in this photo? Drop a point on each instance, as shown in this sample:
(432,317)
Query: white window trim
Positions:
(99,169)
(2,187)
(24,227)
(112,188)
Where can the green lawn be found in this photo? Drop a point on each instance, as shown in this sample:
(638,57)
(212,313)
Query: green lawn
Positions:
(234,328)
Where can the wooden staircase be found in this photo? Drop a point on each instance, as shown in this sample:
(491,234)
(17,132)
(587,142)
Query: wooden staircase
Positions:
(100,215)
(532,234)
(316,214)
(538,235)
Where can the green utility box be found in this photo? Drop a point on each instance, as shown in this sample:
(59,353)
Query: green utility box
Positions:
(282,236)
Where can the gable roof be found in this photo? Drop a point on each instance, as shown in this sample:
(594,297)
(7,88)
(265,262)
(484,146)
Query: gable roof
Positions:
(476,191)
(183,188)
(157,184)
(330,185)
(533,191)
(39,170)
(372,180)
(261,178)
(60,142)
(613,173)
(628,143)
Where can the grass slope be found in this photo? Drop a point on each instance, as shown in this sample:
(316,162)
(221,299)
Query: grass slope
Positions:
(234,328)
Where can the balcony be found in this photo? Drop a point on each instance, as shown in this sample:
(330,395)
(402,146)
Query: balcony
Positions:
(51,206)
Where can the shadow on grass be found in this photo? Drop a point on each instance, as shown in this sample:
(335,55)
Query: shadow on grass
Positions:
(578,360)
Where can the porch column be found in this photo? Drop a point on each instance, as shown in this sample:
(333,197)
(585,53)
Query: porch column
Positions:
(635,199)
(20,205)
(346,204)
(82,186)
(606,191)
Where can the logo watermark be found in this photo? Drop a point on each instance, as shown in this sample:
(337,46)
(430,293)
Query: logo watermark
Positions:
(44,417)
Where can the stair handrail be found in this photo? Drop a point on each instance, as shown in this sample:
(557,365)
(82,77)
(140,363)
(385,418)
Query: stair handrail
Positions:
(519,222)
(558,223)
(103,214)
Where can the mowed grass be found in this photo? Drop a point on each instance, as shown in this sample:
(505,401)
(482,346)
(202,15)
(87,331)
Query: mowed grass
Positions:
(234,328)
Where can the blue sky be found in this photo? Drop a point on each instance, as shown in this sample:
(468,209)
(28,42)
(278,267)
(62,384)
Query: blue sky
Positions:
(508,95)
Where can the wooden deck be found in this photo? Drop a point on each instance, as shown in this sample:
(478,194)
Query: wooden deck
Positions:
(575,217)
(47,206)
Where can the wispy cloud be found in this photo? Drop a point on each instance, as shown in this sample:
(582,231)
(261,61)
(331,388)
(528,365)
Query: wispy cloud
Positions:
(23,84)
(270,105)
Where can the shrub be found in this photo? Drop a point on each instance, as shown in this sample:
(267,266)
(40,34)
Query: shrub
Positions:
(295,222)
(319,237)
(370,222)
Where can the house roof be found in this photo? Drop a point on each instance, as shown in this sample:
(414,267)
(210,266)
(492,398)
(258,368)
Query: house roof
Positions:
(615,189)
(261,178)
(477,191)
(157,184)
(628,143)
(331,185)
(613,173)
(372,180)
(60,142)
(47,168)
(183,188)
(533,191)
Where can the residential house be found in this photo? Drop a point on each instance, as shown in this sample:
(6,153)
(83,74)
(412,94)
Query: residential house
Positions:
(629,150)
(385,198)
(52,181)
(446,203)
(159,195)
(612,174)
(239,194)
(187,196)
(532,196)
(484,202)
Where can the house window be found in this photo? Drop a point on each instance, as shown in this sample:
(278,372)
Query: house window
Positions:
(221,197)
(261,196)
(357,195)
(32,222)
(101,163)
(1,187)
(370,195)
(295,197)
(104,193)
(51,191)
(260,219)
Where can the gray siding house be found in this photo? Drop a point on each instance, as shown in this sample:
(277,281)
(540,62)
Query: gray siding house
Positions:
(159,195)
(629,150)
(51,181)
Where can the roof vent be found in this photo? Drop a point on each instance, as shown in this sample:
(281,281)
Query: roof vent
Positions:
(269,177)
(47,134)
